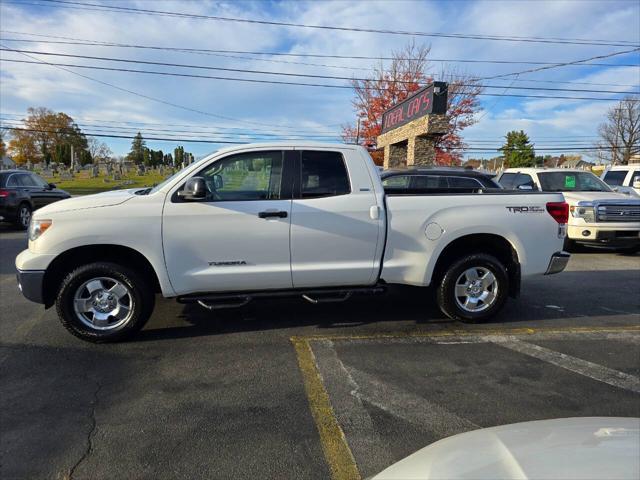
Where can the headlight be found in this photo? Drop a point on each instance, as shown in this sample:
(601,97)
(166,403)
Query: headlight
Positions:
(38,227)
(587,213)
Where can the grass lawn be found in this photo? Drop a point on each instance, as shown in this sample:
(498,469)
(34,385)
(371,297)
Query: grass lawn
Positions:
(85,186)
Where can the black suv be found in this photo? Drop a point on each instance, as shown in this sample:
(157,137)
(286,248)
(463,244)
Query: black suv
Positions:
(21,193)
(425,180)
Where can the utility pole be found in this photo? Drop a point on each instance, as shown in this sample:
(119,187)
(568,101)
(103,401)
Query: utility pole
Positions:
(358,132)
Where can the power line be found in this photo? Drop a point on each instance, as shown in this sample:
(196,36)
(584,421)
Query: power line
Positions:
(92,122)
(213,141)
(99,43)
(19,117)
(288,74)
(260,136)
(142,11)
(275,82)
(142,95)
(563,64)
(108,128)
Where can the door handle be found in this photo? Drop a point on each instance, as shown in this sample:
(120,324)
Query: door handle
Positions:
(273,213)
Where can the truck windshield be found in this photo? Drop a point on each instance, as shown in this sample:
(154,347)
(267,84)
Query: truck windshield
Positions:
(571,182)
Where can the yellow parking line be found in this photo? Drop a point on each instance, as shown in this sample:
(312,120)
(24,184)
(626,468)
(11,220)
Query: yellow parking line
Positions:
(467,332)
(337,453)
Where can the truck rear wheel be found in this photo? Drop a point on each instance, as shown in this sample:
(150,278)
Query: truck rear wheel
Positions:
(473,288)
(104,302)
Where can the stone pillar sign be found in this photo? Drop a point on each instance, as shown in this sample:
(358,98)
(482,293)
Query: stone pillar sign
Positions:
(409,129)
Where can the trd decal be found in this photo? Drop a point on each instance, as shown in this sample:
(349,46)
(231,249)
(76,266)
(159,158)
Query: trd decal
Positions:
(525,209)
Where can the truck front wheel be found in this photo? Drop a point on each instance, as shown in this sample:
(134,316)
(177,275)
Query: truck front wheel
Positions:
(473,288)
(104,302)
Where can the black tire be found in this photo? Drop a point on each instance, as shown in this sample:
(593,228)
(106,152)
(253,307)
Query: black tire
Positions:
(23,216)
(140,295)
(446,297)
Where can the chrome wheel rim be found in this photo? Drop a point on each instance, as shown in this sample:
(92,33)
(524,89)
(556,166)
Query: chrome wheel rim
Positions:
(25,216)
(103,303)
(476,289)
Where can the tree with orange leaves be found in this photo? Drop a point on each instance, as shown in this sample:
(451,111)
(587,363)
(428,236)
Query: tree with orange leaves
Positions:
(406,74)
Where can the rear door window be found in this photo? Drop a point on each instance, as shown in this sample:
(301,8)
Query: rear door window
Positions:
(463,182)
(24,180)
(428,182)
(323,174)
(615,177)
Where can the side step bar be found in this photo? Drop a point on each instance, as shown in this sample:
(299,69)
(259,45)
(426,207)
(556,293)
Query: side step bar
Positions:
(217,301)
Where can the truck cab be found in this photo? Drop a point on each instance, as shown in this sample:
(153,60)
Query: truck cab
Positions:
(623,179)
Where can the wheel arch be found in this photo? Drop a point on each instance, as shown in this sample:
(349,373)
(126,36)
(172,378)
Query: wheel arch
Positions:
(75,257)
(488,243)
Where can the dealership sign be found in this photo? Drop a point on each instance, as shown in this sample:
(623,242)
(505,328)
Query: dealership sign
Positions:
(430,99)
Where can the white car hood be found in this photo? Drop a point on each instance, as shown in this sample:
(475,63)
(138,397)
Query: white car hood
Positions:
(568,448)
(575,197)
(105,199)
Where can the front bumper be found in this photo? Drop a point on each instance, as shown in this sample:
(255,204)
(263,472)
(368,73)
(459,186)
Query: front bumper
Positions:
(558,263)
(30,283)
(606,236)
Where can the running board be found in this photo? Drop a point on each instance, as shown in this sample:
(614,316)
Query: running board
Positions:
(217,301)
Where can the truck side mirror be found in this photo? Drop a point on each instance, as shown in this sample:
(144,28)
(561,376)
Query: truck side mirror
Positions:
(194,189)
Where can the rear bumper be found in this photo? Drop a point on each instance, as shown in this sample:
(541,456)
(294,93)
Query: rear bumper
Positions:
(30,283)
(558,263)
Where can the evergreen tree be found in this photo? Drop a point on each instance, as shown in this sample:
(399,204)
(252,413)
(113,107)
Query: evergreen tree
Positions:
(517,150)
(138,146)
(178,155)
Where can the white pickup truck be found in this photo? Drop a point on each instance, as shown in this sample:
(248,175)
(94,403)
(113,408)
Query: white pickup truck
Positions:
(308,220)
(599,215)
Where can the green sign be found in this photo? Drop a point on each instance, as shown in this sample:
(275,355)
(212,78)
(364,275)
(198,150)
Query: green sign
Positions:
(570,182)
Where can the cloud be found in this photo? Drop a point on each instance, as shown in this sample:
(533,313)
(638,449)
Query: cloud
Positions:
(296,107)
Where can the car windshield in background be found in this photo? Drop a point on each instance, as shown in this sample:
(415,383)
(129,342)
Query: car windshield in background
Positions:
(571,182)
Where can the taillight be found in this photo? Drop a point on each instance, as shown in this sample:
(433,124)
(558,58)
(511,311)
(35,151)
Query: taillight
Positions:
(4,193)
(559,211)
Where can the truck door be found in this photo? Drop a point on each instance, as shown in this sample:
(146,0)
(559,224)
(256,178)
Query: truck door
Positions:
(336,223)
(238,237)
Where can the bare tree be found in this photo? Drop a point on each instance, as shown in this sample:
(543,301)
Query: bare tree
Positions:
(620,132)
(98,150)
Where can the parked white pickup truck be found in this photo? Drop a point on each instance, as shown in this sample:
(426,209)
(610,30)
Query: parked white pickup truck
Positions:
(599,216)
(309,220)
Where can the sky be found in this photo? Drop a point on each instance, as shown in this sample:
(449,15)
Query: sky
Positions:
(121,103)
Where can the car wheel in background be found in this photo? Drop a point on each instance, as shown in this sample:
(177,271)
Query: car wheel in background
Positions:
(104,302)
(473,288)
(23,216)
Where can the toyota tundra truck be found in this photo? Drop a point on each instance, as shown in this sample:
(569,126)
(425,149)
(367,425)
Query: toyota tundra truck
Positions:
(282,220)
(599,216)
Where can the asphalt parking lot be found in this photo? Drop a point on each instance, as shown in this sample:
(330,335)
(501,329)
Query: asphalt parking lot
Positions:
(291,390)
